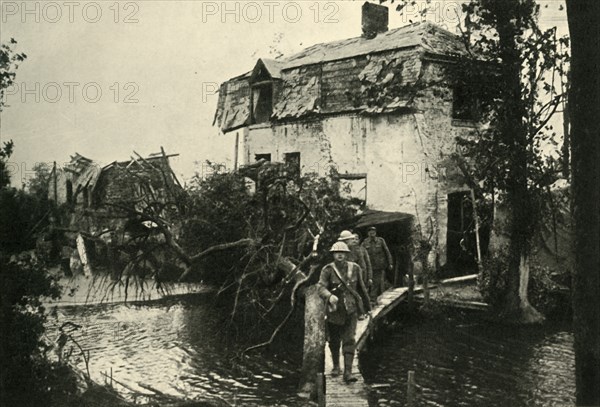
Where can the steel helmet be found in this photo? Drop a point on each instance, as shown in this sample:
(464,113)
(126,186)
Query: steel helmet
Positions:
(346,235)
(339,247)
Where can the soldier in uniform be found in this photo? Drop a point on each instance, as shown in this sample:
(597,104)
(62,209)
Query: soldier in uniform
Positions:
(381,260)
(358,255)
(342,288)
(368,279)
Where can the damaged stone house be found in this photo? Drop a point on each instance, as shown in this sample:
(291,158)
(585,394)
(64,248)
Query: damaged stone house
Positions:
(86,184)
(378,108)
(99,200)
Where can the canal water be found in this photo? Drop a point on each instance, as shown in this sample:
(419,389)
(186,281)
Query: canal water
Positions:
(462,360)
(178,347)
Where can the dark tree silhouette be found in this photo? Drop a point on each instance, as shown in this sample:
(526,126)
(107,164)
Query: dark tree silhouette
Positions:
(584,101)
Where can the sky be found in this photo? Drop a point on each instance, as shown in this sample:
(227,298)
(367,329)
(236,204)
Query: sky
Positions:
(107,78)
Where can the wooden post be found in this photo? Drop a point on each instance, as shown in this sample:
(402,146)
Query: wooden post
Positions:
(397,266)
(87,268)
(412,254)
(237,146)
(411,284)
(425,281)
(425,251)
(565,150)
(314,342)
(476,228)
(55,188)
(320,390)
(410,389)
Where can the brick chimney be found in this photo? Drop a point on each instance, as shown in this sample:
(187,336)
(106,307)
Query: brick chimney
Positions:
(375,19)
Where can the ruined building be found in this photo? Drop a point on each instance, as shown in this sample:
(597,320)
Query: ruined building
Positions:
(86,184)
(101,202)
(381,110)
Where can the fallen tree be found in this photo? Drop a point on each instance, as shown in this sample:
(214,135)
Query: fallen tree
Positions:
(257,233)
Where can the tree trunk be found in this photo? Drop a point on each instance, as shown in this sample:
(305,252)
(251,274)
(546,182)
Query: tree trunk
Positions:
(512,302)
(584,106)
(513,130)
(314,331)
(528,314)
(314,342)
(517,308)
(566,147)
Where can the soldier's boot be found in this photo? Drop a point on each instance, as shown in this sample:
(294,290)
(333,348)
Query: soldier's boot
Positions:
(348,359)
(335,355)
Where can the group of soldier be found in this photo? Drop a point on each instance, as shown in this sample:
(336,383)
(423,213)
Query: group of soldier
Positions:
(350,286)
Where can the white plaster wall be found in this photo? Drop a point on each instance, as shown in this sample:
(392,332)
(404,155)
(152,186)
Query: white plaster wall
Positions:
(388,148)
(306,138)
(399,153)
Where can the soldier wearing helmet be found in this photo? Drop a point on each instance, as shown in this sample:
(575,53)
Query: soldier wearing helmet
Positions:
(342,287)
(381,260)
(358,255)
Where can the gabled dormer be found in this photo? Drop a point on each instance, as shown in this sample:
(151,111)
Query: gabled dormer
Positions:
(265,83)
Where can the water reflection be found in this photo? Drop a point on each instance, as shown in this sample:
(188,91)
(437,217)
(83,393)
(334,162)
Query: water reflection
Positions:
(177,347)
(463,361)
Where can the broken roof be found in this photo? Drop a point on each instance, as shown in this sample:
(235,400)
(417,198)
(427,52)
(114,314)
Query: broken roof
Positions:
(371,76)
(426,35)
(87,172)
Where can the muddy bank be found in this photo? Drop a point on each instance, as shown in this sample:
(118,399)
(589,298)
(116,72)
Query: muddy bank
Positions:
(100,289)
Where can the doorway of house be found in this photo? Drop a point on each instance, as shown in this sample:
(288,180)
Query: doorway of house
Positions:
(461,242)
(395,228)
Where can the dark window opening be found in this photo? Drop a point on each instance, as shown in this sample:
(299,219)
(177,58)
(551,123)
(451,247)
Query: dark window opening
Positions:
(258,157)
(262,103)
(292,161)
(464,104)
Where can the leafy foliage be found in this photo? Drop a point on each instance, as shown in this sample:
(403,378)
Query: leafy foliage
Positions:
(27,377)
(39,183)
(25,371)
(245,231)
(5,153)
(519,94)
(549,290)
(22,214)
(220,210)
(9,62)
(492,278)
(512,149)
(271,204)
(514,73)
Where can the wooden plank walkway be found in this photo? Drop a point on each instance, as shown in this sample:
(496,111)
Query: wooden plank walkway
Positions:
(340,394)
